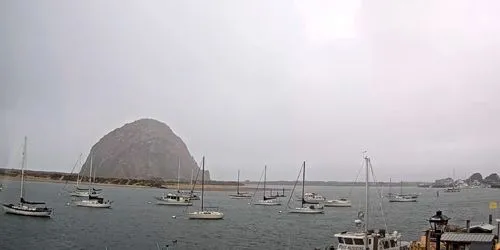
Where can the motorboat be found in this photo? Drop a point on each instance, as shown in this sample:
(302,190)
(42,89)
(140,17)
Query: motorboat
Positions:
(94,202)
(172,199)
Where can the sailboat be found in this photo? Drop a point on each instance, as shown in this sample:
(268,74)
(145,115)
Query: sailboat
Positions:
(24,207)
(365,238)
(402,197)
(454,188)
(240,195)
(278,194)
(83,192)
(204,214)
(306,207)
(175,199)
(267,201)
(93,200)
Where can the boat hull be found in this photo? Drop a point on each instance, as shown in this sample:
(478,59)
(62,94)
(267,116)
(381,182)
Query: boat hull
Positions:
(337,204)
(403,200)
(267,203)
(205,215)
(85,203)
(241,196)
(306,210)
(173,203)
(26,212)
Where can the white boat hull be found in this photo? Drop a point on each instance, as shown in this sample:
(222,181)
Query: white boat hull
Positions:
(92,204)
(268,203)
(337,203)
(240,196)
(402,200)
(82,194)
(205,215)
(26,211)
(173,203)
(306,210)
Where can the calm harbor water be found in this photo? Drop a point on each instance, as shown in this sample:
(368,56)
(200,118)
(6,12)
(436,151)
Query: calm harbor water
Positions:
(133,223)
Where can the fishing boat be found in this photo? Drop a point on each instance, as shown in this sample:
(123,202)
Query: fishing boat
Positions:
(267,200)
(175,199)
(341,202)
(24,207)
(402,197)
(1,187)
(365,238)
(240,195)
(306,207)
(93,200)
(204,213)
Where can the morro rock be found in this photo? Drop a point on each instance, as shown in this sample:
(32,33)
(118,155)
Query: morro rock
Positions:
(144,149)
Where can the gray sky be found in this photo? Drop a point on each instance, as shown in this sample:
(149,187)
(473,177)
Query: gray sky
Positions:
(248,83)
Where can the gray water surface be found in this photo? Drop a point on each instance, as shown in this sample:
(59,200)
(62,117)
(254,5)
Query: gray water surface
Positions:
(133,223)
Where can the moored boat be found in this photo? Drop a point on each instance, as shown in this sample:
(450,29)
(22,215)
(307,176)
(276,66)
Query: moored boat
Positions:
(204,213)
(27,208)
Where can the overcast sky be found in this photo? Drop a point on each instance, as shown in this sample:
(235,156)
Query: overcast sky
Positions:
(248,83)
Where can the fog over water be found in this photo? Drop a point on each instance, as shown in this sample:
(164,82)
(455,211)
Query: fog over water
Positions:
(259,82)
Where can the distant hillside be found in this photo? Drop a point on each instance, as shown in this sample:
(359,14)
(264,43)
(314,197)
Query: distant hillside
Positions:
(143,149)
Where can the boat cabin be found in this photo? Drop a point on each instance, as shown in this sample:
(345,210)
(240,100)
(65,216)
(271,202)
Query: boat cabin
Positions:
(376,241)
(468,241)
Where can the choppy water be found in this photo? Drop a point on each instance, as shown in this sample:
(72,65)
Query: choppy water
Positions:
(132,223)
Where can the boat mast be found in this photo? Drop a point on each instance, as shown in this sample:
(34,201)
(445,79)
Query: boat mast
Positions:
(401,191)
(23,165)
(178,175)
(367,200)
(191,181)
(303,180)
(202,181)
(390,186)
(265,173)
(90,174)
(238,185)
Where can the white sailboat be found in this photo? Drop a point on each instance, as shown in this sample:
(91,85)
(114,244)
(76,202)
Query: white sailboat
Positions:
(267,201)
(175,199)
(402,197)
(93,201)
(306,207)
(240,195)
(84,192)
(204,214)
(369,239)
(27,208)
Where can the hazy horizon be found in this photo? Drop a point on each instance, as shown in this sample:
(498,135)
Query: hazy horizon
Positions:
(259,82)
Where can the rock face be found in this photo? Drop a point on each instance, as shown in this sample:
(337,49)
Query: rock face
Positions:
(492,178)
(476,177)
(143,149)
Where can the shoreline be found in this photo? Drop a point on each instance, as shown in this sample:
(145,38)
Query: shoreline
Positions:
(169,186)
